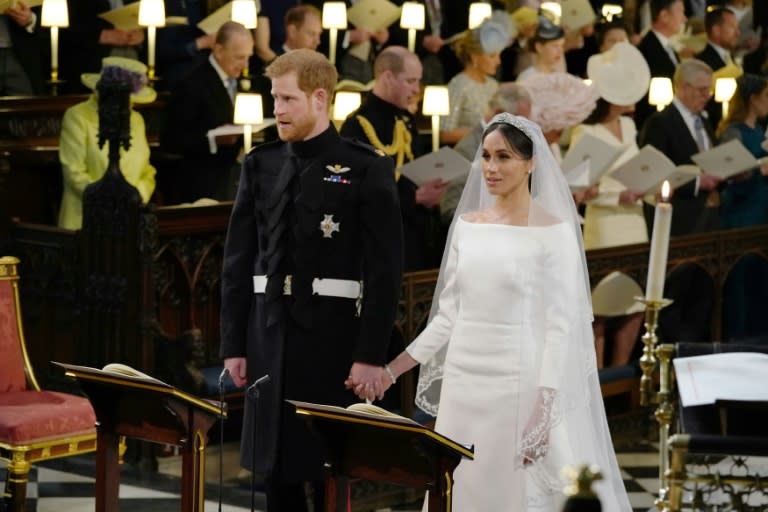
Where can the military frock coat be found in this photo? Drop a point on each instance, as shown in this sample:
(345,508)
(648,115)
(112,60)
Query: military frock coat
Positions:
(322,208)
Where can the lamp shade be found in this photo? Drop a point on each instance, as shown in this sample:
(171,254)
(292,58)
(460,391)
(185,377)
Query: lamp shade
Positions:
(724,89)
(478,11)
(55,13)
(335,15)
(660,92)
(553,8)
(345,103)
(248,109)
(610,10)
(436,101)
(244,12)
(152,13)
(412,16)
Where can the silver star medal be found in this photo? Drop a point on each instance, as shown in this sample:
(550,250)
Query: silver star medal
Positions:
(328,227)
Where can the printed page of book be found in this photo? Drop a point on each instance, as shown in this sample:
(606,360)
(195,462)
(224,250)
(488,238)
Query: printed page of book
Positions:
(446,163)
(646,171)
(124,18)
(600,154)
(726,160)
(373,15)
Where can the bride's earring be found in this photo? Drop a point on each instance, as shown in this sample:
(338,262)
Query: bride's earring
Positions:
(530,170)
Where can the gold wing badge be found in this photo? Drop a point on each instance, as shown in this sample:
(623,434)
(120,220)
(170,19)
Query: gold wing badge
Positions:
(337,169)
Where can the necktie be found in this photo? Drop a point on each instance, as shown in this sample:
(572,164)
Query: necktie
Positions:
(231,88)
(700,134)
(672,55)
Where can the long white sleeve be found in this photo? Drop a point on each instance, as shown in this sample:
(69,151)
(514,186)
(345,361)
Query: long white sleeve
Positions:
(438,331)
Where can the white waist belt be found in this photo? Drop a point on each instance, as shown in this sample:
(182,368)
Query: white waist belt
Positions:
(344,288)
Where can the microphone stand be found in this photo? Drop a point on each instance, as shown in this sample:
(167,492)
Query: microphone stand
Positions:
(222,376)
(253,393)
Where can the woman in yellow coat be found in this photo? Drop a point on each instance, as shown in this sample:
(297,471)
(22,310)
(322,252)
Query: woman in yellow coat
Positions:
(83,162)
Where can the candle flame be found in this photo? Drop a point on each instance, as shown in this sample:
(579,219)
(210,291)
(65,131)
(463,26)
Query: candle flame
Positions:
(665,191)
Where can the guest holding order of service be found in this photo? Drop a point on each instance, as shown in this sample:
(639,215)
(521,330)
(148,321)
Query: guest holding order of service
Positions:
(82,160)
(621,77)
(470,91)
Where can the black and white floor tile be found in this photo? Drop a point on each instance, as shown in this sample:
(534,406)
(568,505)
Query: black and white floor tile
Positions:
(68,485)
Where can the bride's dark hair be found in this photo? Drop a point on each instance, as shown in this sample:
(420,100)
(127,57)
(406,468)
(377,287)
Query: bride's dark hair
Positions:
(518,141)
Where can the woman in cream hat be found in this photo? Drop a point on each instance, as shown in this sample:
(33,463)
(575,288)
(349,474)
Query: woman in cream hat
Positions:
(621,77)
(82,160)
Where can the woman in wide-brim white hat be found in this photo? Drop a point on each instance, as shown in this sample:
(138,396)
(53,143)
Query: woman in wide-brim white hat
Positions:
(615,216)
(82,160)
(621,77)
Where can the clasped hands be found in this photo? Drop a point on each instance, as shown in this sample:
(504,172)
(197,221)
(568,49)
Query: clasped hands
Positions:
(367,381)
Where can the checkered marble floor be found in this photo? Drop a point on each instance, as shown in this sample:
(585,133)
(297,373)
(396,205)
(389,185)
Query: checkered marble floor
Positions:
(67,485)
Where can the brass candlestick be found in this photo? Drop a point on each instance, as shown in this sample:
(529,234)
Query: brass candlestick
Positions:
(648,359)
(652,351)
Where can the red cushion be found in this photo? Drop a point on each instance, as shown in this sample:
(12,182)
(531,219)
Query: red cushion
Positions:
(11,363)
(27,416)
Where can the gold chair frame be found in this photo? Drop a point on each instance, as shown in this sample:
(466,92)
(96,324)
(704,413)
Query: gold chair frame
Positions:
(20,457)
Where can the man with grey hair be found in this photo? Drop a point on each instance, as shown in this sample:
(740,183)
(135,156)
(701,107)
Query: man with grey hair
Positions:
(680,131)
(204,100)
(510,97)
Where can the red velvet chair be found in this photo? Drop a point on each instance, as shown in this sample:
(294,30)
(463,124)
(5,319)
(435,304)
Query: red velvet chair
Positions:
(35,424)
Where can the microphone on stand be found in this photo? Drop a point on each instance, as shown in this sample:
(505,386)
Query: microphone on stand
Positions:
(223,375)
(252,392)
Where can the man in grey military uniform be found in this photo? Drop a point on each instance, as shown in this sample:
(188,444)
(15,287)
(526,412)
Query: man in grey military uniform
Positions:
(311,277)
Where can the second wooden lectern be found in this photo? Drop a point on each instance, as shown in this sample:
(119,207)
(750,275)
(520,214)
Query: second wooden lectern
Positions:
(383,448)
(149,410)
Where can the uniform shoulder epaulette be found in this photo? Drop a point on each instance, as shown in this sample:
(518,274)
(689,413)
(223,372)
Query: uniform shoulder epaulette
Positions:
(266,146)
(365,146)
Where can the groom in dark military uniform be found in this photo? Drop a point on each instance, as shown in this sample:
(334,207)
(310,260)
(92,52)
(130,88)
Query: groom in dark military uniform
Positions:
(311,278)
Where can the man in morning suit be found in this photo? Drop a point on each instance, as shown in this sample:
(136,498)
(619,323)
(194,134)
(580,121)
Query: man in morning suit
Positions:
(668,18)
(722,36)
(202,101)
(384,122)
(679,131)
(21,72)
(311,277)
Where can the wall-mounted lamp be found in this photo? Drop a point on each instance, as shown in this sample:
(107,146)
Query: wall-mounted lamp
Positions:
(436,104)
(334,18)
(151,15)
(724,90)
(478,11)
(248,111)
(412,18)
(660,92)
(55,15)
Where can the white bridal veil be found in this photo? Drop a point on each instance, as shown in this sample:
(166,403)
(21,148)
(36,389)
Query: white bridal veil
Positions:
(564,424)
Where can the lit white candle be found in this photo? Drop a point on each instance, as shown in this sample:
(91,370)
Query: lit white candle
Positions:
(657,261)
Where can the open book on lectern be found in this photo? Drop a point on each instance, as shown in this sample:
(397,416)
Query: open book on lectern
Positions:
(371,415)
(589,160)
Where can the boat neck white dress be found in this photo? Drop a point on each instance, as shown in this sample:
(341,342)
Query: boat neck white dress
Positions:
(492,317)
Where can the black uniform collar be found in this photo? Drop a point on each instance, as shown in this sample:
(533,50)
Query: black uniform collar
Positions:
(380,105)
(315,145)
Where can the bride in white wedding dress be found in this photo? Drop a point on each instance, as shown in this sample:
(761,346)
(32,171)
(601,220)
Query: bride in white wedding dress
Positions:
(508,353)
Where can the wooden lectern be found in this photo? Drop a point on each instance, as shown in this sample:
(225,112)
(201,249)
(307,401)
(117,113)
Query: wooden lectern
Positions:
(150,410)
(383,448)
